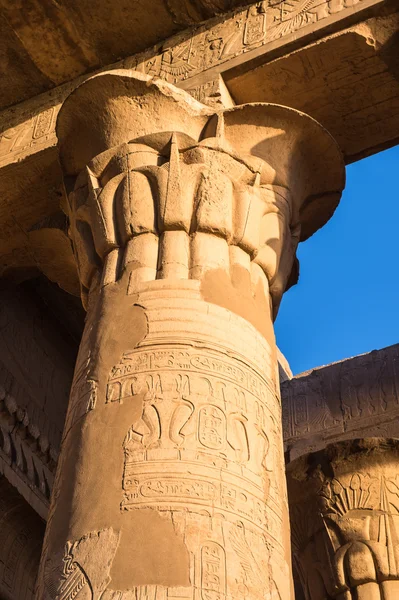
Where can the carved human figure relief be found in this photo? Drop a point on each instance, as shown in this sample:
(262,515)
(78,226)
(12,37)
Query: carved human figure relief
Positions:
(183,410)
(82,572)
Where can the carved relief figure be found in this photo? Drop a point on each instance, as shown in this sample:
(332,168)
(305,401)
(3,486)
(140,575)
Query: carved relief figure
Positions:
(83,571)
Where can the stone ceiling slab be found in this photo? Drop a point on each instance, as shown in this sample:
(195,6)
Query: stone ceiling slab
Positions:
(349,82)
(45,43)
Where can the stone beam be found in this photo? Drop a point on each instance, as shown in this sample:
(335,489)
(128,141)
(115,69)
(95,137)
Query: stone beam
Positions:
(242,40)
(184,223)
(348,81)
(353,398)
(49,44)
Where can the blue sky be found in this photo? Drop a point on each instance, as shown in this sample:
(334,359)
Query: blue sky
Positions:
(347,298)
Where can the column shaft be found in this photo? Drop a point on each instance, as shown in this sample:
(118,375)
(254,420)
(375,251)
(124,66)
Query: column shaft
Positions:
(178,465)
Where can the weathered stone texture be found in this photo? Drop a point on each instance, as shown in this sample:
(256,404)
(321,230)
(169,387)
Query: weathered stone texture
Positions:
(39,359)
(347,81)
(350,399)
(336,61)
(184,220)
(36,365)
(44,44)
(344,512)
(184,225)
(21,537)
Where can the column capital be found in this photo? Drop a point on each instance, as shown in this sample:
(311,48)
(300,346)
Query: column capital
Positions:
(162,182)
(344,513)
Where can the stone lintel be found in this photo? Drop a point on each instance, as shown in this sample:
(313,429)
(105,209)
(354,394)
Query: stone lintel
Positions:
(353,398)
(237,43)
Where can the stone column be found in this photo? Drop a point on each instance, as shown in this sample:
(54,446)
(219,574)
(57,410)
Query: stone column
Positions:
(184,223)
(344,507)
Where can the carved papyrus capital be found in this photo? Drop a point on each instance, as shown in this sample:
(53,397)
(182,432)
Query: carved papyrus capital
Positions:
(344,508)
(163,188)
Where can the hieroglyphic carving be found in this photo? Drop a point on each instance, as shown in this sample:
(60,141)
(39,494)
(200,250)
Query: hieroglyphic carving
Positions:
(253,566)
(212,427)
(150,592)
(84,388)
(212,45)
(213,93)
(123,380)
(176,63)
(207,46)
(213,413)
(34,134)
(75,583)
(213,571)
(343,400)
(305,410)
(227,548)
(83,570)
(193,402)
